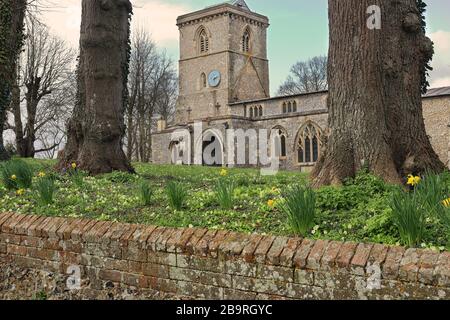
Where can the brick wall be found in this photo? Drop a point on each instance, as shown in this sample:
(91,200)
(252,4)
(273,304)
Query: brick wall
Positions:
(125,261)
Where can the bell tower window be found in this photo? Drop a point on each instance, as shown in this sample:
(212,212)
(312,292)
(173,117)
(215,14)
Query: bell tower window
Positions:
(246,41)
(204,41)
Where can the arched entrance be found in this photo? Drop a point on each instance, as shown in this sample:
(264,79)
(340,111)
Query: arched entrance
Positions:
(211,144)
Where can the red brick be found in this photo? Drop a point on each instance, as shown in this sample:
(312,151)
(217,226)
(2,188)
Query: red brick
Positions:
(317,251)
(134,280)
(4,217)
(50,229)
(8,226)
(248,253)
(72,246)
(55,232)
(428,261)
(32,229)
(17,250)
(22,227)
(155,270)
(330,255)
(43,254)
(78,231)
(392,263)
(69,225)
(378,254)
(110,275)
(233,244)
(93,234)
(215,243)
(196,237)
(409,266)
(52,244)
(346,254)
(161,242)
(117,234)
(38,230)
(263,248)
(442,270)
(127,235)
(174,238)
(3,249)
(152,239)
(162,285)
(10,238)
(70,258)
(202,247)
(184,239)
(359,261)
(141,236)
(287,255)
(273,255)
(134,267)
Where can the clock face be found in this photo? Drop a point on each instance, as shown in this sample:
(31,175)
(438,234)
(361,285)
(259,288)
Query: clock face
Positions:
(214,78)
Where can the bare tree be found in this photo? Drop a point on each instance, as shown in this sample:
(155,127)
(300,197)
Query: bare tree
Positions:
(375,103)
(306,76)
(46,80)
(151,93)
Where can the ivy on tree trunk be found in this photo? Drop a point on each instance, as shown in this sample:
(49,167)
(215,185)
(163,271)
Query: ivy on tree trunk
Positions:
(375,84)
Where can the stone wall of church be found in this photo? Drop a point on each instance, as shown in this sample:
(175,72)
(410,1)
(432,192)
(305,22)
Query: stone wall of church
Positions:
(436,112)
(311,109)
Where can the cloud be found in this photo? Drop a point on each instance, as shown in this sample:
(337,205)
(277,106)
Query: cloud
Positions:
(156,16)
(440,76)
(159,19)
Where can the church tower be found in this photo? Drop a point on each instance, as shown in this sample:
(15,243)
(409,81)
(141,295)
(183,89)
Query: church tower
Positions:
(223,59)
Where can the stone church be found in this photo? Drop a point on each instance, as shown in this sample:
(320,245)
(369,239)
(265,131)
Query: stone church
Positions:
(224,84)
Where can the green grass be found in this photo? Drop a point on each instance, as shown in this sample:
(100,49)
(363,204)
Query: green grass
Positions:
(357,211)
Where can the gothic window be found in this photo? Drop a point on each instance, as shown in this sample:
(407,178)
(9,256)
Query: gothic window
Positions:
(204,41)
(289,107)
(294,106)
(260,111)
(251,112)
(284,107)
(203,79)
(246,41)
(280,143)
(308,144)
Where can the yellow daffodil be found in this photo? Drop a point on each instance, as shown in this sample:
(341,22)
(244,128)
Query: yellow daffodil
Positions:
(41,174)
(223,173)
(271,203)
(413,180)
(20,192)
(14,177)
(446,203)
(74,165)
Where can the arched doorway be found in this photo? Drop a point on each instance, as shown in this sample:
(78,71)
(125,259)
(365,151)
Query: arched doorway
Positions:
(212,148)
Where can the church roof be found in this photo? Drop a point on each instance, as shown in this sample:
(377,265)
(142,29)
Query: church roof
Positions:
(431,93)
(241,4)
(436,92)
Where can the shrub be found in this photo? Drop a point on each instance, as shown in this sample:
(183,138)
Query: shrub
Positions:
(46,189)
(409,217)
(146,193)
(300,206)
(176,194)
(16,174)
(225,193)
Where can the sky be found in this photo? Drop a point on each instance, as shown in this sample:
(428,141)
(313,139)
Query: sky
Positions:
(298,29)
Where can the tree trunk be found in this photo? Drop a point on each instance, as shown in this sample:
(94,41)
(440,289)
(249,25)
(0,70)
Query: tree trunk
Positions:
(12,15)
(97,128)
(375,103)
